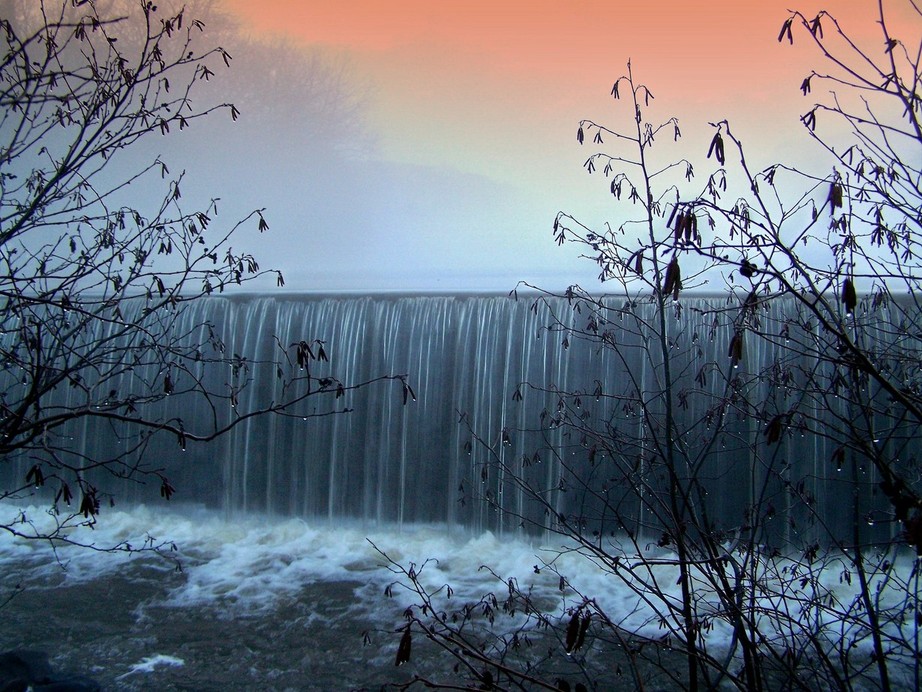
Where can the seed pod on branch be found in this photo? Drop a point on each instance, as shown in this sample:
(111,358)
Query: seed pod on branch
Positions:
(403,649)
(735,351)
(815,27)
(717,148)
(835,195)
(573,629)
(672,282)
(849,296)
(36,476)
(805,85)
(635,262)
(774,429)
(166,489)
(786,31)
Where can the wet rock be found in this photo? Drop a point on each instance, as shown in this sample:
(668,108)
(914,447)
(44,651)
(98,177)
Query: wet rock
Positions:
(26,669)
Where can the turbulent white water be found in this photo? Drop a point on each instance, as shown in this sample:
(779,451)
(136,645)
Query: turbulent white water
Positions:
(295,578)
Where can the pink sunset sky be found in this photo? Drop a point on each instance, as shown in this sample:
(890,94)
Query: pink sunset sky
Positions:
(492,91)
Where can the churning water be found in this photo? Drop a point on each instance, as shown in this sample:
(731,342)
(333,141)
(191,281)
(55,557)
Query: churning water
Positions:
(281,603)
(261,602)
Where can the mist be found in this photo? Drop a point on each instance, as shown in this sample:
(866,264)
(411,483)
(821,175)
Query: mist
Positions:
(370,177)
(344,215)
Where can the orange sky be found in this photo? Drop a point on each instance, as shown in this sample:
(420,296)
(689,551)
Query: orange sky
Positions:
(466,70)
(495,88)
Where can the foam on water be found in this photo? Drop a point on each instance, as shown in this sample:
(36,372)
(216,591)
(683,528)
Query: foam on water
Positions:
(254,563)
(150,664)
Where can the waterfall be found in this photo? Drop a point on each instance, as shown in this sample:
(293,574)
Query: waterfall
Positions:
(465,357)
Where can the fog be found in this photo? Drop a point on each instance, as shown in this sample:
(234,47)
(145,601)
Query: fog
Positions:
(364,192)
(343,215)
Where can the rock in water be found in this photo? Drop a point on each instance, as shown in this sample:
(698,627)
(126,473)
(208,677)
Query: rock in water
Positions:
(22,670)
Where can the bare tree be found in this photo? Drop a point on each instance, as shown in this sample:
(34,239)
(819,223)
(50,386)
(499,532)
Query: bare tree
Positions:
(100,261)
(705,463)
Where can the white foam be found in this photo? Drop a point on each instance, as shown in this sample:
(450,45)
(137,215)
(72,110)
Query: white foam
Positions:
(151,663)
(254,563)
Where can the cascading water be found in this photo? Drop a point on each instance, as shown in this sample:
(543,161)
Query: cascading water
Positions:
(464,356)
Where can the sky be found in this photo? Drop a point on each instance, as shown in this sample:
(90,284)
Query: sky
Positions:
(468,114)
